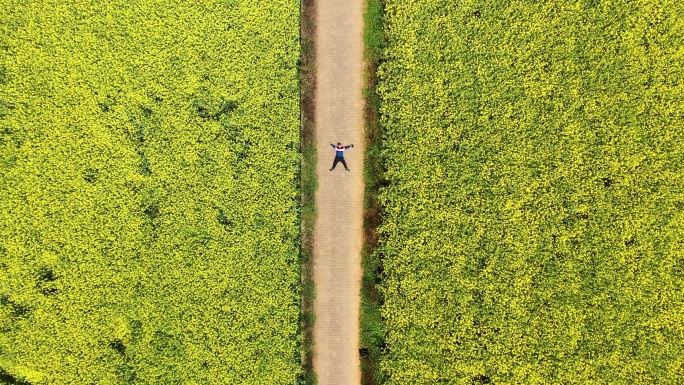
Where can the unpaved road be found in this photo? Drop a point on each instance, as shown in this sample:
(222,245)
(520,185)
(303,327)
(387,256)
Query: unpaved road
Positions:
(338,232)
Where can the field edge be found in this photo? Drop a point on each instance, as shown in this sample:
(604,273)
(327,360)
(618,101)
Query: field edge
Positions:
(371,325)
(309,184)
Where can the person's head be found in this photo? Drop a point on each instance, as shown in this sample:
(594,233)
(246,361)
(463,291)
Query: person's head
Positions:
(339,144)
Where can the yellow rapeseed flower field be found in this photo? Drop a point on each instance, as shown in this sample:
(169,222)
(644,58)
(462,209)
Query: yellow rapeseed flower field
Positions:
(149,154)
(534,209)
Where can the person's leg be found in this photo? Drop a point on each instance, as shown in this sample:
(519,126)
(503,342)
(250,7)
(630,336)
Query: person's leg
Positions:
(335,163)
(344,163)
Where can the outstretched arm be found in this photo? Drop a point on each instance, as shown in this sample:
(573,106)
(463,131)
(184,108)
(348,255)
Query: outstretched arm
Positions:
(332,145)
(346,147)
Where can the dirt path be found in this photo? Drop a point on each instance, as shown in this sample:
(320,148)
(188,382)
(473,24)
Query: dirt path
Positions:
(338,233)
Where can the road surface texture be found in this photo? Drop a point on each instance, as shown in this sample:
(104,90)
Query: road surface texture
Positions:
(338,232)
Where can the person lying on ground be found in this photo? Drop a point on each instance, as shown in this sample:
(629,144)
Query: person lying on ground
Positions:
(339,155)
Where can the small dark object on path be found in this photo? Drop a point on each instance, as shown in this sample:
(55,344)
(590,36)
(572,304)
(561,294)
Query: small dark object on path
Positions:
(339,155)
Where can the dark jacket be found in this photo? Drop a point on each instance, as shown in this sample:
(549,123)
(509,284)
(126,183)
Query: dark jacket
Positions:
(339,150)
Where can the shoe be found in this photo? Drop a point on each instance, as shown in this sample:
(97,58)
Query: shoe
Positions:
(331,169)
(347,169)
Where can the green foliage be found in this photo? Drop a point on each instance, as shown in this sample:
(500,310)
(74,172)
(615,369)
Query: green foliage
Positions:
(308,186)
(373,33)
(8,379)
(534,219)
(372,329)
(149,156)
